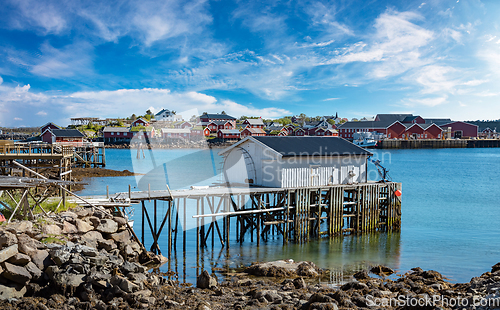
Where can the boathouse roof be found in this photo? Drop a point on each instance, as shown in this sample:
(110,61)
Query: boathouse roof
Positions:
(306,146)
(68,133)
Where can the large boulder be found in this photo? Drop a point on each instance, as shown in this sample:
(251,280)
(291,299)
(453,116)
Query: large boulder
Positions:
(83,226)
(12,291)
(122,237)
(7,239)
(19,259)
(205,280)
(51,230)
(35,272)
(21,227)
(69,228)
(107,226)
(16,273)
(69,216)
(8,252)
(41,259)
(91,238)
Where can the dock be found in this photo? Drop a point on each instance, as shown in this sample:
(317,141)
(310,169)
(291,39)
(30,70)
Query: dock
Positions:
(435,143)
(297,214)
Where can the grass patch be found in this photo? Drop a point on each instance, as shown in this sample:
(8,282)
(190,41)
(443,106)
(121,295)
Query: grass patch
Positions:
(53,240)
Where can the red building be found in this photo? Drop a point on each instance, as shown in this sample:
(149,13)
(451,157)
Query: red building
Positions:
(207,118)
(117,134)
(49,125)
(228,134)
(140,122)
(214,126)
(299,132)
(461,129)
(70,136)
(254,132)
(253,123)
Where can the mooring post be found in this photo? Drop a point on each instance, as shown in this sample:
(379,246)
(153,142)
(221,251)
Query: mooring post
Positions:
(170,203)
(142,226)
(154,223)
(258,220)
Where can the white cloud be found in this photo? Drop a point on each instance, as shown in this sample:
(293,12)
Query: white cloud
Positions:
(330,99)
(42,113)
(18,119)
(43,15)
(436,79)
(430,102)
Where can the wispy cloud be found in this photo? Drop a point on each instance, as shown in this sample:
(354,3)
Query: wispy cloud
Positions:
(429,102)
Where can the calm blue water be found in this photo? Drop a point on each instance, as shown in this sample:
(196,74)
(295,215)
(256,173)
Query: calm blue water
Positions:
(449,222)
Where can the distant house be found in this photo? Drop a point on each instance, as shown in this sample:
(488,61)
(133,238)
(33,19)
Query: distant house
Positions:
(295,162)
(70,136)
(143,133)
(49,125)
(253,123)
(300,132)
(167,115)
(462,129)
(140,122)
(183,125)
(176,133)
(205,119)
(228,134)
(277,131)
(214,126)
(117,135)
(254,132)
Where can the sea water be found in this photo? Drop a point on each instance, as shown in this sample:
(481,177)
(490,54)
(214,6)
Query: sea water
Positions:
(450,213)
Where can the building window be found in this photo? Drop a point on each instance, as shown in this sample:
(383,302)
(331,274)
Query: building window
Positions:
(426,136)
(112,133)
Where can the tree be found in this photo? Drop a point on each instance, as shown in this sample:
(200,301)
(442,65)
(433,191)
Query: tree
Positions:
(147,117)
(193,118)
(223,113)
(133,117)
(331,121)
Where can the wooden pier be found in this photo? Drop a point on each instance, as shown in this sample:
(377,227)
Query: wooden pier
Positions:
(294,214)
(436,144)
(42,155)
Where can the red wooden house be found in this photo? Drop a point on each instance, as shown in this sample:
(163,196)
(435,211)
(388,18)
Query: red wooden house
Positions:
(254,132)
(299,132)
(140,122)
(49,125)
(461,129)
(214,126)
(117,134)
(72,136)
(207,118)
(253,123)
(228,134)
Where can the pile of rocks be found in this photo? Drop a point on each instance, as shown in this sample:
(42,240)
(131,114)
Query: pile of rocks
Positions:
(85,253)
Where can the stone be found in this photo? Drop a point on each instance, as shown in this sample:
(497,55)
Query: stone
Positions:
(299,283)
(307,269)
(361,275)
(8,252)
(51,230)
(94,220)
(19,259)
(128,251)
(84,212)
(129,267)
(91,238)
(68,280)
(83,226)
(107,226)
(120,221)
(205,280)
(354,285)
(128,286)
(7,239)
(35,272)
(12,291)
(122,237)
(68,216)
(107,245)
(88,251)
(69,228)
(137,277)
(41,258)
(21,227)
(27,245)
(16,273)
(494,268)
(381,270)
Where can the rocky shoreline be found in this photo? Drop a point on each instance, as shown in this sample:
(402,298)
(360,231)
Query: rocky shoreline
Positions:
(86,258)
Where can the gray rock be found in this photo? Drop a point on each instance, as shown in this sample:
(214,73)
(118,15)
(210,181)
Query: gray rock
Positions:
(99,260)
(88,251)
(51,230)
(128,286)
(41,258)
(19,259)
(205,280)
(8,252)
(120,221)
(21,227)
(137,277)
(107,226)
(27,245)
(94,220)
(16,273)
(91,238)
(7,239)
(107,245)
(307,269)
(12,291)
(299,283)
(129,267)
(60,256)
(122,237)
(67,280)
(84,212)
(69,228)
(35,272)
(83,226)
(68,216)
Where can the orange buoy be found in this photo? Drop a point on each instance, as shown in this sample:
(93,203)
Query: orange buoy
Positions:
(398,193)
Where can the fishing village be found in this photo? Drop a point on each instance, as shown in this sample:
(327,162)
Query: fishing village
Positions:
(292,187)
(215,155)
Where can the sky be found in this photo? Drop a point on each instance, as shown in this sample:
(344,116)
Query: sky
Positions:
(61,59)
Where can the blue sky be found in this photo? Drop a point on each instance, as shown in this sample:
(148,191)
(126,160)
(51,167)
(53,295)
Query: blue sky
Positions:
(62,59)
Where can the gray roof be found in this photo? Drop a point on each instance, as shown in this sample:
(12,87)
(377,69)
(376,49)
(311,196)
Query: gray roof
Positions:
(438,121)
(116,129)
(217,116)
(366,124)
(311,146)
(69,133)
(392,117)
(254,121)
(230,131)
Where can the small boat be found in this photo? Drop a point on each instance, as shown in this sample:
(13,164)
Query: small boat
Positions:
(364,139)
(365,143)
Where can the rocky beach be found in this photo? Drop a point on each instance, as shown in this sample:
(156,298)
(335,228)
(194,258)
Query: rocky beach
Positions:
(87,258)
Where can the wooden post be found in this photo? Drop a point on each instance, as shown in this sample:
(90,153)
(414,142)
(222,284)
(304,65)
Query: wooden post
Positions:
(258,220)
(142,226)
(154,225)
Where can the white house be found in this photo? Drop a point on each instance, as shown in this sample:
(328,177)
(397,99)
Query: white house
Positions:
(275,161)
(167,115)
